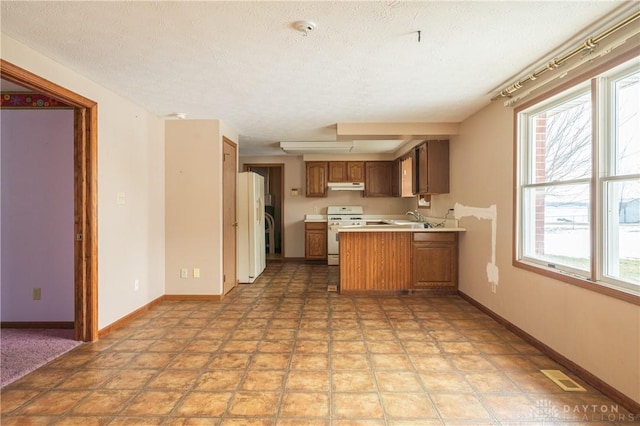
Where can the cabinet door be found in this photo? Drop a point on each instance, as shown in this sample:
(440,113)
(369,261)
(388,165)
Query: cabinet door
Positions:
(378,179)
(422,158)
(435,261)
(432,168)
(315,245)
(317,172)
(355,171)
(338,171)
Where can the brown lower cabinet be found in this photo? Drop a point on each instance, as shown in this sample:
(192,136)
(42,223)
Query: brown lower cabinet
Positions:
(315,240)
(390,262)
(435,260)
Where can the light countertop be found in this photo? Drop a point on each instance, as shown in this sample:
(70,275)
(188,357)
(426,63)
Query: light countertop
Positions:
(450,225)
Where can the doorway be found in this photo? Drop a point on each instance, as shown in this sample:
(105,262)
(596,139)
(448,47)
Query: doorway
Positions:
(85,195)
(229,216)
(273,175)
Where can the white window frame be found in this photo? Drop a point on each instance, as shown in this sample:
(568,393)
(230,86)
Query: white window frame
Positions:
(602,89)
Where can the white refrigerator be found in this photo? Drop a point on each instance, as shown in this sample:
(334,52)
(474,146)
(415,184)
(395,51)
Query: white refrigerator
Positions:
(251,240)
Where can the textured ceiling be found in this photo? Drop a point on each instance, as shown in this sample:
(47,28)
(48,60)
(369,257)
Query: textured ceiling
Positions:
(245,64)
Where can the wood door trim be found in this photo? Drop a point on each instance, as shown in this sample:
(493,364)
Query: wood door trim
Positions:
(85,195)
(246,168)
(234,146)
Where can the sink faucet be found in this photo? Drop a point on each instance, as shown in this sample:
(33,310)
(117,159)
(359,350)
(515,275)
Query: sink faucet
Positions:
(416,214)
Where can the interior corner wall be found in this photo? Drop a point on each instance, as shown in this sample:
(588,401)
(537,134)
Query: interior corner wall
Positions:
(130,164)
(193,152)
(599,333)
(37,215)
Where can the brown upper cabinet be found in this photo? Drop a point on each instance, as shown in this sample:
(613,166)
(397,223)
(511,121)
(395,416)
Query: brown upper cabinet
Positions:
(317,174)
(378,179)
(346,171)
(431,168)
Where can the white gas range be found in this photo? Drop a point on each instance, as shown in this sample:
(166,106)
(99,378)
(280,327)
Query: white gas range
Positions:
(338,216)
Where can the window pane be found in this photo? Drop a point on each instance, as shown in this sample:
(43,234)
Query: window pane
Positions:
(561,148)
(556,227)
(627,125)
(622,234)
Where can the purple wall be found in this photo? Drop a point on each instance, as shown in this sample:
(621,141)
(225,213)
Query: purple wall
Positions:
(36,214)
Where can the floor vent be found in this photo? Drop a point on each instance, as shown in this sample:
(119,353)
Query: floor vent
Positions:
(565,382)
(332,287)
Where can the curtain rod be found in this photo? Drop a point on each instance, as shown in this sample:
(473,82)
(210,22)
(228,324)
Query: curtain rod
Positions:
(588,45)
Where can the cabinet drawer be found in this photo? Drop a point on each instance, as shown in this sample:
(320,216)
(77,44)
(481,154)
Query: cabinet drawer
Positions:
(321,226)
(437,237)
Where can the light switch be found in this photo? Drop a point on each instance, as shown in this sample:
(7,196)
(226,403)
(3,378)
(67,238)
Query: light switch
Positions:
(196,272)
(120,198)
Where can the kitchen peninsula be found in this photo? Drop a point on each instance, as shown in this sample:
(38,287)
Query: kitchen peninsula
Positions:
(395,259)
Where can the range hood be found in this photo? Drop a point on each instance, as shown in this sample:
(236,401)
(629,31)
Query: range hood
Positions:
(346,186)
(324,147)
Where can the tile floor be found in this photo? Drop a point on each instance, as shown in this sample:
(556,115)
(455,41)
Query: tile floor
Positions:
(284,351)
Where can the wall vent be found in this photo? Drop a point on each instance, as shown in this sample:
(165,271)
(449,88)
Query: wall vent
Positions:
(565,382)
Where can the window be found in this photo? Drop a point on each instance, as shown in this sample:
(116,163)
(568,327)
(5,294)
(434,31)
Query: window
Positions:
(578,182)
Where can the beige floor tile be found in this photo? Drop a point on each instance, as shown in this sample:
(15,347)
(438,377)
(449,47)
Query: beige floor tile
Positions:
(104,402)
(191,361)
(130,379)
(460,406)
(151,360)
(240,346)
(512,407)
(229,360)
(52,403)
(310,361)
(486,382)
(308,381)
(398,381)
(208,404)
(263,380)
(431,362)
(452,381)
(357,405)
(13,399)
(408,406)
(352,347)
(174,380)
(89,379)
(152,403)
(471,363)
(219,380)
(342,361)
(353,381)
(308,404)
(311,346)
(256,404)
(390,362)
(270,361)
(385,347)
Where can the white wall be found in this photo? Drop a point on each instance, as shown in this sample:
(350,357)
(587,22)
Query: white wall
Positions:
(597,332)
(194,204)
(296,207)
(37,215)
(131,161)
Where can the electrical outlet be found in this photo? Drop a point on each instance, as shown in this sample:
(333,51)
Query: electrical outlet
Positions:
(136,285)
(196,272)
(184,273)
(37,293)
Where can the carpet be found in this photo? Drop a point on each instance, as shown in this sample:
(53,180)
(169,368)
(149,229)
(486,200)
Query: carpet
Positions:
(25,350)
